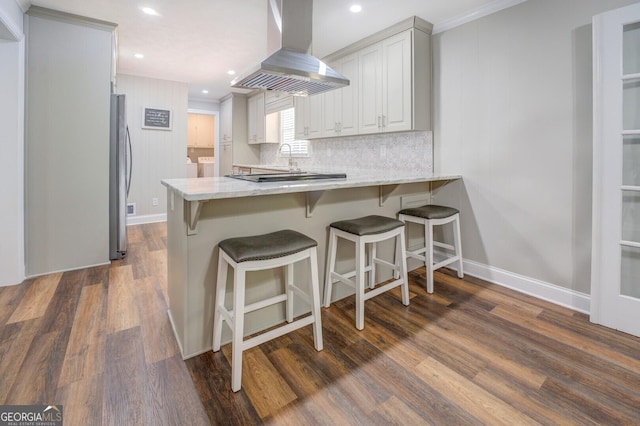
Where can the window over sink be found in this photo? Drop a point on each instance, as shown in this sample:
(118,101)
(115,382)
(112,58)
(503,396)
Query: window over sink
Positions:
(299,148)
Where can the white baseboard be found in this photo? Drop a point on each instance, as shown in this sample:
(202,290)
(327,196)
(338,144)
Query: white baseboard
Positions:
(175,334)
(149,218)
(571,299)
(75,268)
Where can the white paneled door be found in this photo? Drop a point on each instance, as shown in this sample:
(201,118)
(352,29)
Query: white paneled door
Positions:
(615,275)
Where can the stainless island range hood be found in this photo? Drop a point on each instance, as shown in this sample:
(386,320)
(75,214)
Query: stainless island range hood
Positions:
(291,68)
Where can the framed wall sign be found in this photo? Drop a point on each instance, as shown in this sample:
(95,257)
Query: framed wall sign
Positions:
(156,118)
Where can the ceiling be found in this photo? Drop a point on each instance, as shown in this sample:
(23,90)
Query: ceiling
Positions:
(198,41)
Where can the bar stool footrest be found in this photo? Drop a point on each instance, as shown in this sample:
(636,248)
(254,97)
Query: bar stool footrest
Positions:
(277,332)
(378,290)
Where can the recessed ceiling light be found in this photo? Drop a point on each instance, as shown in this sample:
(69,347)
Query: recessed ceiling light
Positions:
(150,11)
(139,55)
(231,72)
(205,91)
(355,8)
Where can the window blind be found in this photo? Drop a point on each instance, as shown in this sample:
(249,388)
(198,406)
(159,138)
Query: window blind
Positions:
(299,148)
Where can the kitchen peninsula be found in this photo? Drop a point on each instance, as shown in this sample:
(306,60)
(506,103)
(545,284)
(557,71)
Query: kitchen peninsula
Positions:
(202,212)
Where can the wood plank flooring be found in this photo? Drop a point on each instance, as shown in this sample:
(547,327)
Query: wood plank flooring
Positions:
(98,341)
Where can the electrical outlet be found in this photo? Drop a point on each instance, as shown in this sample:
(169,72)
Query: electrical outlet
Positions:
(154,201)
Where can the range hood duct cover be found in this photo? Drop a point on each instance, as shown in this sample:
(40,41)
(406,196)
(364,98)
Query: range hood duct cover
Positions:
(291,68)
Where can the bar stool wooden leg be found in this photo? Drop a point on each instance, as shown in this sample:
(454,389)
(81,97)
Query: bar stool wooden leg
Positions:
(428,255)
(401,259)
(331,266)
(221,291)
(359,281)
(288,282)
(314,293)
(458,240)
(237,346)
(373,254)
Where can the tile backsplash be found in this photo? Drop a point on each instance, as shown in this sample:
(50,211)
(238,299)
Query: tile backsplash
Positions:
(411,152)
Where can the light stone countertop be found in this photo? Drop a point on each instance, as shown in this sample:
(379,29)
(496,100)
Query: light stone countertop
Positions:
(211,188)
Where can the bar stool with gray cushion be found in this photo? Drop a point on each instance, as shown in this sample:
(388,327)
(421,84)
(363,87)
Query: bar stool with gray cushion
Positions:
(429,216)
(255,253)
(362,231)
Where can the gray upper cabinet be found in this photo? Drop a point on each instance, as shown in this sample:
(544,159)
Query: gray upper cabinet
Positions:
(389,91)
(308,118)
(340,107)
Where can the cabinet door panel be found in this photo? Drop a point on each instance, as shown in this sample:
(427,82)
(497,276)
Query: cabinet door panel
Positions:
(206,128)
(256,121)
(192,130)
(396,77)
(349,97)
(370,84)
(226,159)
(226,109)
(315,116)
(301,105)
(331,112)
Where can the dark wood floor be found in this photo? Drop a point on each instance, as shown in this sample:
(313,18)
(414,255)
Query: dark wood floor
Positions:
(99,342)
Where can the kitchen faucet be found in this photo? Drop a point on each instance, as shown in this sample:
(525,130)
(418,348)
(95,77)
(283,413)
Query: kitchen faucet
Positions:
(290,155)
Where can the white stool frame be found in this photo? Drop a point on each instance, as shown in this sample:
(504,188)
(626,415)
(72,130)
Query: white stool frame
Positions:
(425,254)
(357,283)
(235,317)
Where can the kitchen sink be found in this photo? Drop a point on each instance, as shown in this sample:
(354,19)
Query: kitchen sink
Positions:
(287,177)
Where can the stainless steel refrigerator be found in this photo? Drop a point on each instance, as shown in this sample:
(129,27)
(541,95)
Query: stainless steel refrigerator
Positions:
(119,177)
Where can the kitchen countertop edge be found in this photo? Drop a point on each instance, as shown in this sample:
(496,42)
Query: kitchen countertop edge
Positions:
(212,188)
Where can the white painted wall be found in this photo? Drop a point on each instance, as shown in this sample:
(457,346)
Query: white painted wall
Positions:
(513,115)
(157,154)
(11,143)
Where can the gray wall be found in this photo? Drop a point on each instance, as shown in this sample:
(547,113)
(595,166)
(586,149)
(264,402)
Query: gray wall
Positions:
(67,145)
(11,144)
(513,115)
(157,154)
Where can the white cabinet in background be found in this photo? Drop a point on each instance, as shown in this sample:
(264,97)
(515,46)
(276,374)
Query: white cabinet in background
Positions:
(226,159)
(256,118)
(200,130)
(233,126)
(226,114)
(340,107)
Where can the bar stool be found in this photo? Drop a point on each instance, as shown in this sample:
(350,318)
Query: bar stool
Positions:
(363,231)
(429,216)
(255,253)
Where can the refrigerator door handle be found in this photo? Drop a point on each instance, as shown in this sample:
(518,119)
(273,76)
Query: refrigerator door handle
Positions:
(130,161)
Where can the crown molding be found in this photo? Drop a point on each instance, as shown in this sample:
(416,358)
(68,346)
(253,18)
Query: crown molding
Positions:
(474,14)
(42,12)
